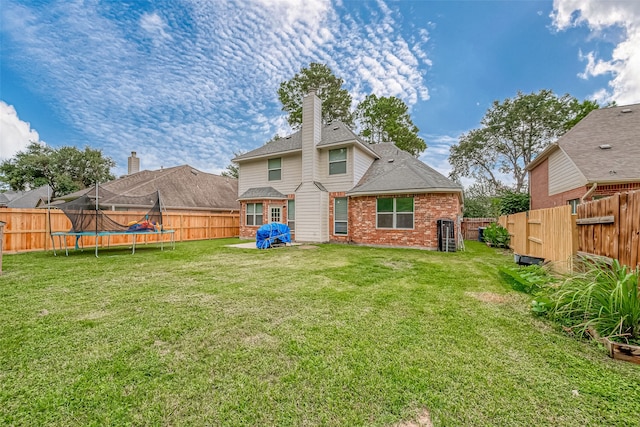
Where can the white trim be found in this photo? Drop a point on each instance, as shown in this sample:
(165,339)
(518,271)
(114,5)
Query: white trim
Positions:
(346,161)
(346,199)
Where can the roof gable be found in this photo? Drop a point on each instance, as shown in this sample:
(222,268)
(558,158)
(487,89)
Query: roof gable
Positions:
(604,146)
(397,171)
(334,133)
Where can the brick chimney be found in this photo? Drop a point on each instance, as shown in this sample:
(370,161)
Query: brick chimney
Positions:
(133,164)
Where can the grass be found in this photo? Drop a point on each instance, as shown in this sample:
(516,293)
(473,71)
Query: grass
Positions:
(338,335)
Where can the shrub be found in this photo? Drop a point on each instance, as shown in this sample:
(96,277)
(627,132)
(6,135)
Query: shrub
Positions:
(533,280)
(496,235)
(606,298)
(512,202)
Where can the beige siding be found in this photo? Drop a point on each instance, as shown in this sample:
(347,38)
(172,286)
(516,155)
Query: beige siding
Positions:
(255,174)
(361,163)
(563,173)
(335,183)
(312,211)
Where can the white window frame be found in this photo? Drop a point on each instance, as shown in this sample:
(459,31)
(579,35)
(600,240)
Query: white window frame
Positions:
(333,162)
(275,214)
(254,215)
(395,214)
(345,221)
(291,214)
(271,169)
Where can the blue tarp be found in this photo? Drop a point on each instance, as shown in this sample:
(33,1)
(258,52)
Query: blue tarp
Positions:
(272,234)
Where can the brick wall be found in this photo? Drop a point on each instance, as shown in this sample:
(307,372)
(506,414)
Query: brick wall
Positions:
(249,231)
(539,185)
(611,189)
(428,208)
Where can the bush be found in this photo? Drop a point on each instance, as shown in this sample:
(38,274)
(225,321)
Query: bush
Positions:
(533,280)
(496,235)
(605,298)
(511,203)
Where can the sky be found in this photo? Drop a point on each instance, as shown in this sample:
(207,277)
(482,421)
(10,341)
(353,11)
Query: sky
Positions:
(193,81)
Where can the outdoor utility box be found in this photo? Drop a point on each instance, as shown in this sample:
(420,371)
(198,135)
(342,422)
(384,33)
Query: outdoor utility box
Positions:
(446,235)
(481,233)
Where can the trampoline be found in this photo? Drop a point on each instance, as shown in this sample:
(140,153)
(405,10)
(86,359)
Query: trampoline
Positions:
(89,218)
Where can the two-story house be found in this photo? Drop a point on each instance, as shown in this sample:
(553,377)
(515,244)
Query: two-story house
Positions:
(330,186)
(598,157)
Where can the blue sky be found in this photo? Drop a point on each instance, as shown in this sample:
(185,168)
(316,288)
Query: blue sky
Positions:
(190,82)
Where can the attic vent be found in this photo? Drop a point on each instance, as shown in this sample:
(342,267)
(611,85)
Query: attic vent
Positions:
(288,137)
(605,146)
(390,160)
(193,171)
(336,127)
(626,110)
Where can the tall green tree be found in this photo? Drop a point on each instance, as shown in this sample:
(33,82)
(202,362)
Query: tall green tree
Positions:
(512,133)
(387,119)
(336,101)
(66,169)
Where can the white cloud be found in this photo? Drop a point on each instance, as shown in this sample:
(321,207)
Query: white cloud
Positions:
(624,64)
(15,134)
(197,80)
(155,26)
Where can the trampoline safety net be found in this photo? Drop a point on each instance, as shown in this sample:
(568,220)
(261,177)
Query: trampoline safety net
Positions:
(88,215)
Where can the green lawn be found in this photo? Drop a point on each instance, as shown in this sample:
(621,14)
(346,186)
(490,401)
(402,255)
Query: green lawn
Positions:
(336,335)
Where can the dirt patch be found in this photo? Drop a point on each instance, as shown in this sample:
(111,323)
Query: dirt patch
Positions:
(307,247)
(490,297)
(422,420)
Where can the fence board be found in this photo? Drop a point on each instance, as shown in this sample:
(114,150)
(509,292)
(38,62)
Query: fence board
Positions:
(544,233)
(470,227)
(619,239)
(28,229)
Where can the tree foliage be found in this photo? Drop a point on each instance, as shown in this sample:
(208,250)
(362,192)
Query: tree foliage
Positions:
(65,170)
(336,101)
(512,202)
(387,119)
(512,133)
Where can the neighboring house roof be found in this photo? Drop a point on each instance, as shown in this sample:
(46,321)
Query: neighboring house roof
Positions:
(30,199)
(4,200)
(604,146)
(397,171)
(262,193)
(181,187)
(333,133)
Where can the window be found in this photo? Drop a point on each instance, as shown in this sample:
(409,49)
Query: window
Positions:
(275,169)
(337,161)
(340,215)
(275,214)
(395,212)
(574,205)
(291,214)
(254,214)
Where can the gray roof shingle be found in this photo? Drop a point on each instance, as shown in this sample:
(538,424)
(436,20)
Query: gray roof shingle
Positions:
(332,133)
(396,171)
(603,127)
(262,193)
(181,187)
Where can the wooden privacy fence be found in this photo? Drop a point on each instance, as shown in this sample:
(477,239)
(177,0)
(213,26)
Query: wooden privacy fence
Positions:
(544,233)
(470,227)
(28,229)
(610,227)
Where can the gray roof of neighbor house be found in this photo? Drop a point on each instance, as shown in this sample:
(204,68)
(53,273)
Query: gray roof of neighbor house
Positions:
(333,133)
(397,171)
(181,187)
(30,199)
(604,146)
(262,193)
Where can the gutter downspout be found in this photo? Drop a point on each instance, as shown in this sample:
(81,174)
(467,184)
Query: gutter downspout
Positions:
(589,193)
